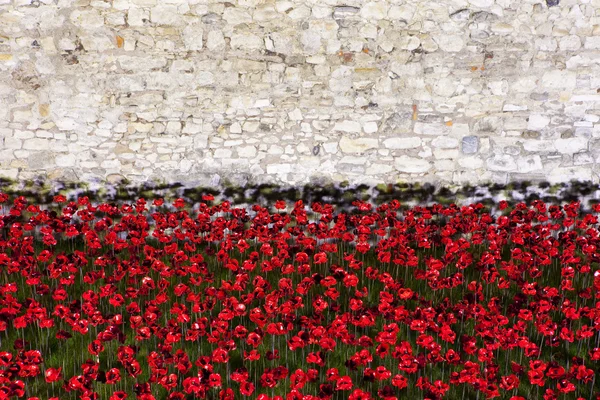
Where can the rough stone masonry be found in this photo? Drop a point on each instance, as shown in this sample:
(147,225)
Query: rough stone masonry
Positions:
(208,91)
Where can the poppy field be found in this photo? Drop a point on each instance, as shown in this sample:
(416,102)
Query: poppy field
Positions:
(155,299)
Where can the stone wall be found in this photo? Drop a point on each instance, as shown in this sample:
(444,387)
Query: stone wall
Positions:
(451,91)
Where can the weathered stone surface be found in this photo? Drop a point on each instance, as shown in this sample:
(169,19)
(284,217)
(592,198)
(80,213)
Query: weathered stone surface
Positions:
(347,126)
(374,10)
(537,122)
(435,129)
(470,144)
(529,164)
(289,90)
(571,145)
(444,142)
(471,162)
(215,41)
(358,145)
(502,163)
(402,143)
(411,165)
(558,79)
(192,37)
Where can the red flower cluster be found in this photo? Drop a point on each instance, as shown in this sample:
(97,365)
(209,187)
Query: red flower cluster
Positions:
(298,302)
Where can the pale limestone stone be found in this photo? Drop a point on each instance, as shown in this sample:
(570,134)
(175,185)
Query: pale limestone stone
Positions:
(165,15)
(135,63)
(358,145)
(19,134)
(204,78)
(173,127)
(295,115)
(585,97)
(135,17)
(502,163)
(402,143)
(368,31)
(265,13)
(299,13)
(347,126)
(558,79)
(192,37)
(411,165)
(145,3)
(236,127)
(321,11)
(279,168)
(10,173)
(409,43)
(426,152)
(529,163)
(502,28)
(592,43)
(449,43)
(386,45)
(443,165)
(246,151)
(66,44)
(330,147)
(96,41)
(571,145)
(247,42)
(215,41)
(540,146)
(403,12)
(12,143)
(370,127)
(445,153)
(570,43)
(481,3)
(65,124)
(437,129)
(353,160)
(583,159)
(525,84)
(200,141)
(113,164)
(251,126)
(235,16)
(470,162)
(546,44)
(65,160)
(566,174)
(87,18)
(537,122)
(445,87)
(445,142)
(279,43)
(513,107)
(374,10)
(36,144)
(379,169)
(222,153)
(311,41)
(282,6)
(428,44)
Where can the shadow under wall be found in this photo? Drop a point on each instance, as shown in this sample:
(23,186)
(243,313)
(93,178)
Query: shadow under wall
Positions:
(42,192)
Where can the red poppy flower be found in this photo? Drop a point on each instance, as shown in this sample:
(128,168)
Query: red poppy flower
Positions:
(246,388)
(214,380)
(53,374)
(113,376)
(344,383)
